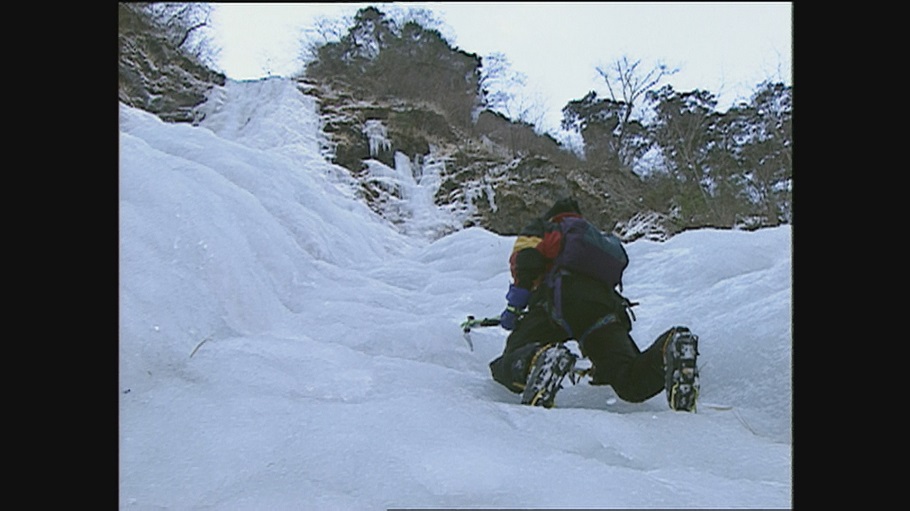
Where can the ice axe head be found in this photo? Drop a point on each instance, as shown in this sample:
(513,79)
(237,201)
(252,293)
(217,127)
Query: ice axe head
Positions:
(466,327)
(472,322)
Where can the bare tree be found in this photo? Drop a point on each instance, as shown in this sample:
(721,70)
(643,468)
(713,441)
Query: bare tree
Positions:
(187,25)
(530,109)
(324,30)
(499,82)
(505,91)
(628,82)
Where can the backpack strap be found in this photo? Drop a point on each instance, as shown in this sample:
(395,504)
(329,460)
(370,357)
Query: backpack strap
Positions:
(554,281)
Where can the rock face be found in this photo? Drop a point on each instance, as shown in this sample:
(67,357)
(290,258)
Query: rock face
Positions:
(155,76)
(392,94)
(402,110)
(493,172)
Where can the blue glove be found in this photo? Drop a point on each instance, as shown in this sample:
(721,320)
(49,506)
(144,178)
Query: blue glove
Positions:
(517,299)
(508,319)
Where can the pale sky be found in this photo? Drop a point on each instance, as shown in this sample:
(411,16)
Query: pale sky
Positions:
(726,48)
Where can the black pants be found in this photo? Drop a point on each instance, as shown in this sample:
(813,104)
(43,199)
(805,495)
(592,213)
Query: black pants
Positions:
(635,375)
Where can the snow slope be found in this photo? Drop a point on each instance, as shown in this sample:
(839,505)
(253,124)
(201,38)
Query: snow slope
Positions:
(283,347)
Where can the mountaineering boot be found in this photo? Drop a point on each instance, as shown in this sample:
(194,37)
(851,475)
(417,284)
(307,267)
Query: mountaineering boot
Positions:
(680,353)
(549,366)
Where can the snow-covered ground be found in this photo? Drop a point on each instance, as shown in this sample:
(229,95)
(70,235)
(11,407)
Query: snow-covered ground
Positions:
(283,347)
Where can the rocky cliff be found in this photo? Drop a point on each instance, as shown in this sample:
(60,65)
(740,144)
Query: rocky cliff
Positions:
(154,75)
(402,97)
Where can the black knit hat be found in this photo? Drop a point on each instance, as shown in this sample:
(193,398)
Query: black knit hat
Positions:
(564,205)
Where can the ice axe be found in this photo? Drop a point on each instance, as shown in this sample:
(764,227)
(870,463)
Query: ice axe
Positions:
(472,322)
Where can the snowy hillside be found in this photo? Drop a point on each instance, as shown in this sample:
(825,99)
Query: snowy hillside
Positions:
(283,347)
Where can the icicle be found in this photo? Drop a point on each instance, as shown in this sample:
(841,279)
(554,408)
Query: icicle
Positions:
(377,135)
